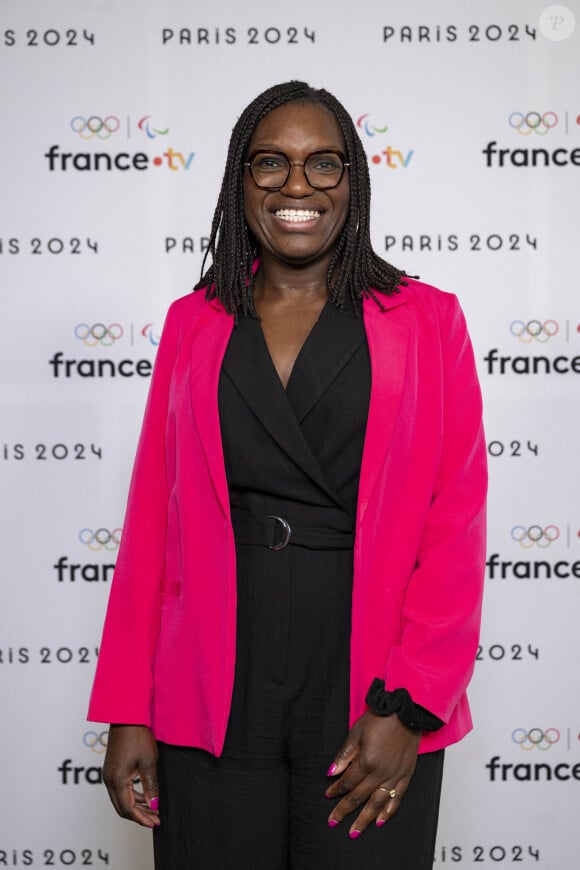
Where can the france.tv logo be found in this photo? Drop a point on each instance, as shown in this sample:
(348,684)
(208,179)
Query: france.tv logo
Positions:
(112,128)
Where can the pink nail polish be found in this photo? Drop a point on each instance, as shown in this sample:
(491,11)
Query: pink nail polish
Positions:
(354,834)
(154,803)
(381,822)
(331,769)
(332,823)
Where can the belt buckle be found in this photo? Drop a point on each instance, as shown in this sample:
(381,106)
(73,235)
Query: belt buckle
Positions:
(287,532)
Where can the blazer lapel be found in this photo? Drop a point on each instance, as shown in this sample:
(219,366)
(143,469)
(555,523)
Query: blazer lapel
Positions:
(388,337)
(332,342)
(250,367)
(208,345)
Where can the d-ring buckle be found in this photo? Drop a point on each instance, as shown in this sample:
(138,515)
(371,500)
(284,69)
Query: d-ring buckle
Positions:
(287,532)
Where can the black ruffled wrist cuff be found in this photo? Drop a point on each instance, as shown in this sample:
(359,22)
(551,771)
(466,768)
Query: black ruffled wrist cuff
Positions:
(399,701)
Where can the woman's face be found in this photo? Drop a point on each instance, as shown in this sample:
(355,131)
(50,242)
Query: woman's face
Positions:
(297,223)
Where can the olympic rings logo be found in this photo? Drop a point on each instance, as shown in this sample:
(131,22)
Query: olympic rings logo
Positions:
(533,330)
(96,742)
(532,122)
(102,539)
(98,333)
(535,738)
(535,536)
(88,128)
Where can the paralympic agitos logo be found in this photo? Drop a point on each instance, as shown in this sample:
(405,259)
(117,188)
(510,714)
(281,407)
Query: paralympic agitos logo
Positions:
(532,334)
(112,129)
(111,336)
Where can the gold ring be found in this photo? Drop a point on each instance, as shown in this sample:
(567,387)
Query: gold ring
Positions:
(392,792)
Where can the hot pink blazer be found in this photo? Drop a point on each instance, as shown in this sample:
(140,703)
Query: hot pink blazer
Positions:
(168,649)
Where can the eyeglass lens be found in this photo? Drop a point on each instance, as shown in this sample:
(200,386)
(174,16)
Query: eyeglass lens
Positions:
(322,170)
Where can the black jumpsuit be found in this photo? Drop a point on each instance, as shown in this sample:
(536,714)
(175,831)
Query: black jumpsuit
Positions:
(295,455)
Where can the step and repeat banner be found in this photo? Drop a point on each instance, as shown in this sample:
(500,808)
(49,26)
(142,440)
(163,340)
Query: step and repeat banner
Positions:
(116,118)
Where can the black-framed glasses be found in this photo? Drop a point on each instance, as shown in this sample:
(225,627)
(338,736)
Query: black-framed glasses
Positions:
(323,169)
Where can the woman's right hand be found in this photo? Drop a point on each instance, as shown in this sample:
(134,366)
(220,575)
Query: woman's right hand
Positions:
(131,753)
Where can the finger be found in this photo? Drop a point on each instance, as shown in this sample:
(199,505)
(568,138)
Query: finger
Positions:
(139,795)
(150,784)
(351,801)
(391,806)
(376,805)
(349,780)
(137,808)
(342,759)
(380,807)
(128,805)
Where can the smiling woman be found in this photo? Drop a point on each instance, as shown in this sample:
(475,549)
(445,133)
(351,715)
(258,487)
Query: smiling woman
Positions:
(261,625)
(296,204)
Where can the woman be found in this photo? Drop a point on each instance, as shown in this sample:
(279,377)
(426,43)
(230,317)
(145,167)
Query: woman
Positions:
(299,581)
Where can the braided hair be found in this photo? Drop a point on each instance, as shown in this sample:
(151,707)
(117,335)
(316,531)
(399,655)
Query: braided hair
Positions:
(354,267)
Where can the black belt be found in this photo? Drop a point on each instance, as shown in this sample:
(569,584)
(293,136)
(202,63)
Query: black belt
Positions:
(276,533)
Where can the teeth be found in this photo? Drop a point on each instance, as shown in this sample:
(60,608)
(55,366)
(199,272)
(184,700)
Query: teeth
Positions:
(296,215)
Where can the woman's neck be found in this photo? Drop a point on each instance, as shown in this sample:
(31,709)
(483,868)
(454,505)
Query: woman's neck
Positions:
(301,284)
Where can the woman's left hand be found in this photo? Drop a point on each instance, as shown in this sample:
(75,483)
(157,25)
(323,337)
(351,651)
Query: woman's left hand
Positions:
(378,756)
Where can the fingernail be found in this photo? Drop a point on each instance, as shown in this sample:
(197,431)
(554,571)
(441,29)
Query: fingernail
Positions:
(381,822)
(154,803)
(331,770)
(354,834)
(332,823)
(326,795)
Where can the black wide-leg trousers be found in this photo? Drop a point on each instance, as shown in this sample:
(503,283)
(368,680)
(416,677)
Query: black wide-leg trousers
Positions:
(261,804)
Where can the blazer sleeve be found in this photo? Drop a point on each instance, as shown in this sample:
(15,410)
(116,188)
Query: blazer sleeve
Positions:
(442,607)
(122,688)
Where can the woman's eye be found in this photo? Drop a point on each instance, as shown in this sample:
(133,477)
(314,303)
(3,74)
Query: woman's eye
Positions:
(268,163)
(326,164)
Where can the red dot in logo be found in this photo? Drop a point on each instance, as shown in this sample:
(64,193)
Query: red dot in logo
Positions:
(157,161)
(578,328)
(376,158)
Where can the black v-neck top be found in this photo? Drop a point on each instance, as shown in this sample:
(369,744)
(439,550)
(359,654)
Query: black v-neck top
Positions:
(297,452)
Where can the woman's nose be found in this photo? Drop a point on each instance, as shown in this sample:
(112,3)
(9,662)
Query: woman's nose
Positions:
(297,183)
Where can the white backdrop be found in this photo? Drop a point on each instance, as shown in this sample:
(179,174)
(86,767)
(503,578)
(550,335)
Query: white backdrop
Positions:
(116,117)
